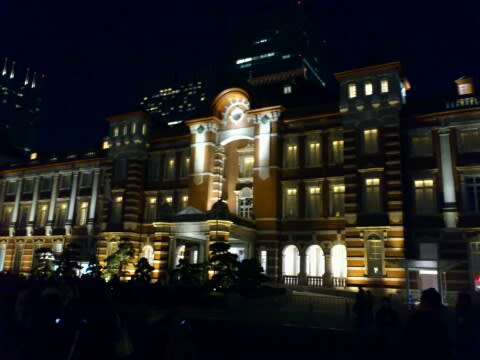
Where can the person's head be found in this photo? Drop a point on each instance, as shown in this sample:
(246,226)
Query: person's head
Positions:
(431,299)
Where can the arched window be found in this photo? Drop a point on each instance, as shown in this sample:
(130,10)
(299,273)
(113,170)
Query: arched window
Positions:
(315,261)
(374,255)
(339,261)
(291,260)
(147,253)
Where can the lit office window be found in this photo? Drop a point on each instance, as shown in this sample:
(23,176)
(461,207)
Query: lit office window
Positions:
(134,128)
(290,155)
(337,199)
(125,130)
(337,151)
(368,88)
(370,141)
(373,202)
(183,201)
(245,203)
(424,196)
(421,145)
(115,131)
(384,86)
(314,201)
(314,153)
(290,203)
(472,193)
(144,129)
(82,213)
(352,91)
(287,89)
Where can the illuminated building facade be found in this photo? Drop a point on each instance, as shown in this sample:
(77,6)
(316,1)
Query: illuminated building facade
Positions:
(358,192)
(19,104)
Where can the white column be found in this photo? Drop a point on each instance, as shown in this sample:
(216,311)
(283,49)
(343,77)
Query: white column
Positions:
(16,208)
(51,207)
(302,276)
(33,209)
(71,205)
(172,247)
(93,202)
(327,275)
(450,206)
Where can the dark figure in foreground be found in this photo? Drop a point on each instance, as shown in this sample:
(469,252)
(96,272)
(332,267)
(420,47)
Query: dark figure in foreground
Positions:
(466,337)
(426,334)
(359,308)
(387,326)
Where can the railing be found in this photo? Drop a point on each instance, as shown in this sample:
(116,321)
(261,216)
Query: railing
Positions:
(314,281)
(290,280)
(339,282)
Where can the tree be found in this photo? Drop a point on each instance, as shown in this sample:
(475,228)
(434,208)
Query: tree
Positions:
(115,263)
(94,270)
(143,271)
(67,262)
(250,274)
(44,263)
(189,274)
(224,266)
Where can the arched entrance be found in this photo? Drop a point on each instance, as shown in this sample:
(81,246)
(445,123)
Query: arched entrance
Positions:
(290,265)
(315,261)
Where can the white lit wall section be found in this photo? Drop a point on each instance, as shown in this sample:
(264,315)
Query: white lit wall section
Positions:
(147,253)
(384,86)
(315,261)
(447,173)
(291,261)
(352,90)
(180,254)
(200,151)
(264,148)
(263,260)
(339,261)
(368,88)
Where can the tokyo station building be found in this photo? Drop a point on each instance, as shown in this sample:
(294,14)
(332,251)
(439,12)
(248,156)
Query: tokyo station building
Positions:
(362,190)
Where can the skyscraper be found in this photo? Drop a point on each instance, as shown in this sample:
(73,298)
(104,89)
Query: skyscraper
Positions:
(19,104)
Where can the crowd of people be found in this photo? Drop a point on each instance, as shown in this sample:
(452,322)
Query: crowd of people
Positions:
(428,332)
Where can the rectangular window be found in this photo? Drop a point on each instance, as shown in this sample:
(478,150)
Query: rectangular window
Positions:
(120,170)
(424,197)
(290,155)
(17,258)
(368,88)
(154,168)
(46,184)
(11,187)
(151,209)
(375,257)
(169,167)
(352,91)
(421,145)
(134,128)
(370,141)
(185,168)
(263,260)
(42,213)
(314,201)
(168,199)
(475,258)
(27,186)
(337,199)
(82,213)
(469,140)
(7,215)
(57,247)
(246,167)
(65,181)
(125,130)
(116,216)
(245,207)
(337,152)
(384,86)
(373,201)
(23,216)
(86,180)
(115,131)
(472,193)
(314,153)
(290,203)
(144,129)
(61,214)
(287,89)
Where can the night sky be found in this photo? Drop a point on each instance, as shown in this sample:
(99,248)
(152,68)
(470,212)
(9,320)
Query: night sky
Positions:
(98,56)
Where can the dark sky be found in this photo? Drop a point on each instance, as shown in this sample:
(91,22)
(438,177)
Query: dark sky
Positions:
(97,56)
